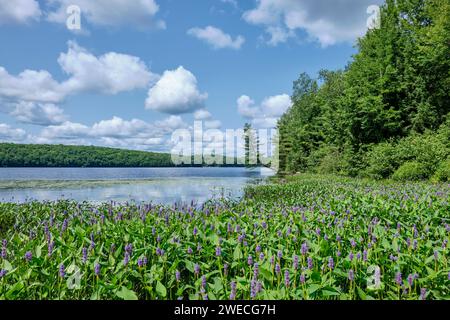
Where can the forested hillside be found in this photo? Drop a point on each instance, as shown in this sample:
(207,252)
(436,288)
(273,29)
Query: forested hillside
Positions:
(386,114)
(19,155)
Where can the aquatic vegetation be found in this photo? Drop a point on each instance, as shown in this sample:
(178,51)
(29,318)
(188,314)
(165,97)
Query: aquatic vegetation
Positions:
(312,237)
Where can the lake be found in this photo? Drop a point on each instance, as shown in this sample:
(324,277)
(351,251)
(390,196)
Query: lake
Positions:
(157,185)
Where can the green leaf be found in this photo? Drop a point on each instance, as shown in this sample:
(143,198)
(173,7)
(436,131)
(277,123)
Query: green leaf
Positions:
(237,255)
(126,294)
(6,265)
(161,290)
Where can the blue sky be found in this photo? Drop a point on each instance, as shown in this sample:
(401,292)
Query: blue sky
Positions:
(137,70)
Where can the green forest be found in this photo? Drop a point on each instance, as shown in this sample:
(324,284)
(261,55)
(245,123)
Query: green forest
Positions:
(22,155)
(387,114)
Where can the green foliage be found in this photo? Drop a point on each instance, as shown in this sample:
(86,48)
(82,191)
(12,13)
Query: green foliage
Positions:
(385,108)
(147,251)
(18,155)
(412,170)
(443,172)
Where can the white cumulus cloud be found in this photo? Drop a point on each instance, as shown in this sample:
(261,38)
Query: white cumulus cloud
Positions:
(42,114)
(176,92)
(19,11)
(139,13)
(9,134)
(267,113)
(325,21)
(216,38)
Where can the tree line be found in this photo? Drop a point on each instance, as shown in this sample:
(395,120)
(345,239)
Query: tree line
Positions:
(386,114)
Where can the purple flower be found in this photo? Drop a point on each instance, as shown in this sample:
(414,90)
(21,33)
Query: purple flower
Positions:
(277,269)
(302,278)
(304,248)
(353,243)
(140,262)
(318,231)
(62,272)
(196,269)
(129,248)
(365,255)
(410,280)
(261,256)
(203,281)
(225,269)
(97,269)
(398,278)
(233,290)
(255,270)
(436,255)
(351,256)
(84,252)
(423,294)
(195,231)
(295,263)
(218,252)
(253,289)
(199,247)
(287,279)
(331,263)
(351,275)
(3,273)
(279,254)
(126,259)
(250,260)
(258,248)
(4,243)
(28,256)
(189,250)
(310,263)
(177,275)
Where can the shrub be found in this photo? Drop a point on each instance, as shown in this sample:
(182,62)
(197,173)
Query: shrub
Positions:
(443,172)
(411,170)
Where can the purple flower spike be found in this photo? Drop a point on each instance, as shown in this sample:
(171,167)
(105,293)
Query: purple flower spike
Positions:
(302,278)
(410,280)
(28,256)
(97,270)
(310,263)
(203,281)
(304,248)
(218,251)
(250,260)
(233,290)
(196,269)
(287,279)
(177,275)
(423,294)
(351,275)
(277,269)
(4,243)
(126,259)
(3,273)
(398,278)
(62,271)
(84,252)
(331,263)
(279,254)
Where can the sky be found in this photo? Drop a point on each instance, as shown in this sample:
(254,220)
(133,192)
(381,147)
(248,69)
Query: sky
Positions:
(133,71)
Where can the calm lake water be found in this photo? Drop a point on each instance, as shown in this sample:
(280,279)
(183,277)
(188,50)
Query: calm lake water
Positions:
(158,185)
